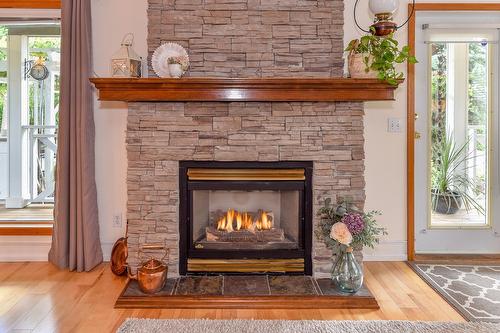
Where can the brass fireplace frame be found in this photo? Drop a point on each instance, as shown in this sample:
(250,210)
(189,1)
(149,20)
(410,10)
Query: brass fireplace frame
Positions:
(284,175)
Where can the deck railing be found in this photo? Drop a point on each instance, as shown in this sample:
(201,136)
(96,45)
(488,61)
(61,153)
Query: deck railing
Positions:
(42,142)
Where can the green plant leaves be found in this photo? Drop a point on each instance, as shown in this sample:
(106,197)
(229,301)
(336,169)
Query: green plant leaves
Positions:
(330,214)
(381,54)
(449,174)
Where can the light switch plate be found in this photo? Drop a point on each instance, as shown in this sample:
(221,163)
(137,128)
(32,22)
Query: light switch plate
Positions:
(394,125)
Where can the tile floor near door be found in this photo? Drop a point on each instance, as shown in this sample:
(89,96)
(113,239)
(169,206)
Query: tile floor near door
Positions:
(37,297)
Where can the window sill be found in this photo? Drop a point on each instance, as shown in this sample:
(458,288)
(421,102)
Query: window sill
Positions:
(24,228)
(459,226)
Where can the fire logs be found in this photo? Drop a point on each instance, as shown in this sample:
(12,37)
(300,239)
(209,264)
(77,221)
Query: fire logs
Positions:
(243,235)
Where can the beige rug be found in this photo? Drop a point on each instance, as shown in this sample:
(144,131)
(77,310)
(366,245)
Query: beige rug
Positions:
(299,326)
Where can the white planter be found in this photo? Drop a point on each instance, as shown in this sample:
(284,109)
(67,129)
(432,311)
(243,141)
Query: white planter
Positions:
(175,70)
(357,68)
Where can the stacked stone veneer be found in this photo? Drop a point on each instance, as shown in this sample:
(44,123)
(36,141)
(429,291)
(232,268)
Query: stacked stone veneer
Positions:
(159,135)
(242,38)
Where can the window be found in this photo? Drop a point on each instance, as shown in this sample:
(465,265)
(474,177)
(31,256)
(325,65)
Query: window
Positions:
(459,128)
(29,104)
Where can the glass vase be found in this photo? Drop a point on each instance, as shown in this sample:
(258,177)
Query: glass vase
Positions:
(347,274)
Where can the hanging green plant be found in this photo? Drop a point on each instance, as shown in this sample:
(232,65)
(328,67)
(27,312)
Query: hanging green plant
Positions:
(379,55)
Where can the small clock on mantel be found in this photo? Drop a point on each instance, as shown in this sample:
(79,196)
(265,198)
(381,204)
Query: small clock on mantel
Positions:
(37,69)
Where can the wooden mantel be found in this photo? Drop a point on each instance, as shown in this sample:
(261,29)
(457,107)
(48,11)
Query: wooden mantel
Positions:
(240,90)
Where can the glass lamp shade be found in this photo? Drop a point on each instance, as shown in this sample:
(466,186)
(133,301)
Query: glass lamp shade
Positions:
(383,6)
(125,62)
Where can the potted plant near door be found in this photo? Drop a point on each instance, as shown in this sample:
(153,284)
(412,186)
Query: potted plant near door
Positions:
(376,57)
(451,186)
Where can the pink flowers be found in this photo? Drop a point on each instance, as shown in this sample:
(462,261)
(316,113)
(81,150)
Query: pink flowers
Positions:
(350,225)
(344,225)
(341,233)
(354,223)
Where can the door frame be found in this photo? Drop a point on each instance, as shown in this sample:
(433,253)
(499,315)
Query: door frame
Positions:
(32,4)
(410,116)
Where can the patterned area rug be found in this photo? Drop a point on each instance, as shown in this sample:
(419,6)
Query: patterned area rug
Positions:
(474,291)
(299,326)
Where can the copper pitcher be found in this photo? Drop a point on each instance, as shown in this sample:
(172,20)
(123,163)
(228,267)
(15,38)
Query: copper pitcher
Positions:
(151,274)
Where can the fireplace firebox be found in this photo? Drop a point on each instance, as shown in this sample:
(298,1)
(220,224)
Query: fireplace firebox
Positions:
(245,217)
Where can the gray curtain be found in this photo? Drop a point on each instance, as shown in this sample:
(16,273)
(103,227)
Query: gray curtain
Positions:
(75,239)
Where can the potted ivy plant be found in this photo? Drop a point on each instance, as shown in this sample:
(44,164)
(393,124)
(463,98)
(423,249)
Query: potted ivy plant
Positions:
(451,186)
(376,57)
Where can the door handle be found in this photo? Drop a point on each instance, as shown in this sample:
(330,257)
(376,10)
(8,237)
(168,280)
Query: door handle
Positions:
(417,135)
(416,116)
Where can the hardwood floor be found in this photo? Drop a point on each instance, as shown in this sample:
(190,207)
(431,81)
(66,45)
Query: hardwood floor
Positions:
(33,212)
(36,297)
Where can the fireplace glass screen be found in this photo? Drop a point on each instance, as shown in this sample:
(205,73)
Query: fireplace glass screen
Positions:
(246,220)
(245,217)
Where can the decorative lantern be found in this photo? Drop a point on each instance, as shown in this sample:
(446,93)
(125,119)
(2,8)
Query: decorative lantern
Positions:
(383,11)
(125,62)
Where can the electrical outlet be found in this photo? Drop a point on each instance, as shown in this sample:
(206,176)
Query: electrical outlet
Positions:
(394,125)
(117,220)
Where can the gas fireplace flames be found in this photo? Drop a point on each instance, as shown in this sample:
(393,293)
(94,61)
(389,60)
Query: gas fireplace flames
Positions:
(235,221)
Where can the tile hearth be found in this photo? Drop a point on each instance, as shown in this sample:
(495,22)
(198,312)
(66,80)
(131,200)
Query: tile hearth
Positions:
(254,291)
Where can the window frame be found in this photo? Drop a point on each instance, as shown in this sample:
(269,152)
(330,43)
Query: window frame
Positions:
(31,4)
(28,228)
(489,166)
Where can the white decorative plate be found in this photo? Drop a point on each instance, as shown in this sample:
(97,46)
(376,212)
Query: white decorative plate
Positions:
(159,60)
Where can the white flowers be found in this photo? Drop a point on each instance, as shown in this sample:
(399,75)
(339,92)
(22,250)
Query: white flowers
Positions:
(340,233)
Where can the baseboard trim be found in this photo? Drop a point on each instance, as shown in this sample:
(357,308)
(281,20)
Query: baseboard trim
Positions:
(24,248)
(479,258)
(386,251)
(106,250)
(34,248)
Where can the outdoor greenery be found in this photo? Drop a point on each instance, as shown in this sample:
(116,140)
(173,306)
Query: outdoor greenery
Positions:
(46,48)
(381,54)
(453,164)
(478,84)
(3,74)
(449,176)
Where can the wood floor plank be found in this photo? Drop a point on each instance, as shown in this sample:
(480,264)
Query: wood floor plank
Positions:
(40,298)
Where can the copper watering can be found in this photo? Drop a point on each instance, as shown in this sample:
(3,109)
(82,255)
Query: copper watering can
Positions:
(152,273)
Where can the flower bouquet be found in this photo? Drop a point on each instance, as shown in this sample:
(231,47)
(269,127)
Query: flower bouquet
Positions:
(342,228)
(177,65)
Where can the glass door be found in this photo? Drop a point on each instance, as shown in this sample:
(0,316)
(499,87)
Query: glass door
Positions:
(456,151)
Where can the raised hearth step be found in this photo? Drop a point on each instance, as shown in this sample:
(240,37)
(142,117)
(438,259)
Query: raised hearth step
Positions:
(246,291)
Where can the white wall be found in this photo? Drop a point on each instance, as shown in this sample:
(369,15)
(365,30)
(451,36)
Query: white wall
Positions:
(385,152)
(112,19)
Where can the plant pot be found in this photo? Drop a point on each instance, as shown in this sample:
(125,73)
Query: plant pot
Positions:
(175,70)
(357,68)
(446,203)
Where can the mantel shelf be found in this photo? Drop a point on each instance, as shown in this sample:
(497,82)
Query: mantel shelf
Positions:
(243,90)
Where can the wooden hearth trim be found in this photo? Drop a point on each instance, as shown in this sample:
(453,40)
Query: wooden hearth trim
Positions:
(247,302)
(240,90)
(246,265)
(345,301)
(245,174)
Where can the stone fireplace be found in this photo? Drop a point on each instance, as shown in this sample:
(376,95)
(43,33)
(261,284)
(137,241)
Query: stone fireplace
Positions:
(242,38)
